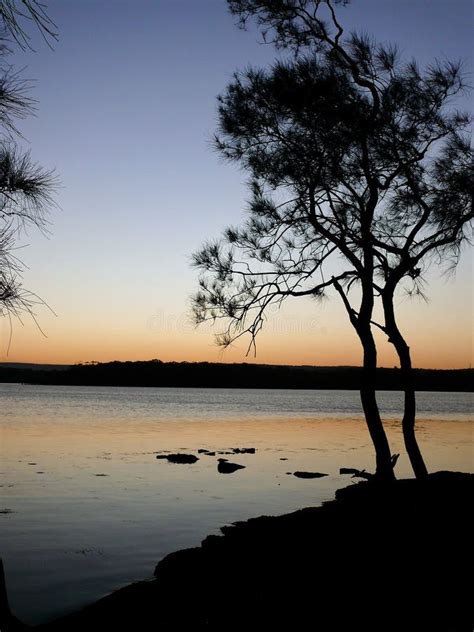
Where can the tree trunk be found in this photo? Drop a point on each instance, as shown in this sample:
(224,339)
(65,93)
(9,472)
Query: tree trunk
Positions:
(362,324)
(384,467)
(409,412)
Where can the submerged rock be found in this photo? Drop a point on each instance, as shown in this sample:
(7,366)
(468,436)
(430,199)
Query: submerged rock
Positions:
(243,450)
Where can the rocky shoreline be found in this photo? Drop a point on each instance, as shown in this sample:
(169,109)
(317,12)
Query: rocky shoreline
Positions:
(382,558)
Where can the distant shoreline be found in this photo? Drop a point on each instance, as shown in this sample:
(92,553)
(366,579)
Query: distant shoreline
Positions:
(154,373)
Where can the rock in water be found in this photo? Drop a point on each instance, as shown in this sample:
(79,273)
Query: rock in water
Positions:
(179,457)
(224,467)
(356,473)
(308,474)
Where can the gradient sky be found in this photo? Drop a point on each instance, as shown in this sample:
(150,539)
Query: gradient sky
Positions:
(126,108)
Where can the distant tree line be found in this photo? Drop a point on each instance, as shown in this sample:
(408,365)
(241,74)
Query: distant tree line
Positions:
(216,375)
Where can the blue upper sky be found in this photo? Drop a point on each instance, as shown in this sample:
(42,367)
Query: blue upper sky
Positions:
(126,111)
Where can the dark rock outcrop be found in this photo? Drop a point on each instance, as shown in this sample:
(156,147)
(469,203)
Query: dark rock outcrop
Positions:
(378,558)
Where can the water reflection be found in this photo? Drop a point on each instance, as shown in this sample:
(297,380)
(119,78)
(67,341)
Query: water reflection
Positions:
(104,510)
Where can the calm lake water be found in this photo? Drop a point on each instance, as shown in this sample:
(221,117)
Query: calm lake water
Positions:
(86,507)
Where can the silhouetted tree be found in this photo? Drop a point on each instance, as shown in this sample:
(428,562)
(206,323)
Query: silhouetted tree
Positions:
(347,149)
(25,188)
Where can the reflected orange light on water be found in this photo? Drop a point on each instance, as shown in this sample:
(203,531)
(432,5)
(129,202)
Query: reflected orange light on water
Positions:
(81,474)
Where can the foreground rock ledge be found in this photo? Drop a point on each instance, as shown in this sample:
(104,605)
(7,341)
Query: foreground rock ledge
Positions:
(376,558)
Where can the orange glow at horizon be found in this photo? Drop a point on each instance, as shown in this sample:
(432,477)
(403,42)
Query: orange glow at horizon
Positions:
(331,345)
(301,332)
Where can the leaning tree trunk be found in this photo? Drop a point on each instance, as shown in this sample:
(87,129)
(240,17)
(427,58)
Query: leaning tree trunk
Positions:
(409,412)
(384,465)
(362,324)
